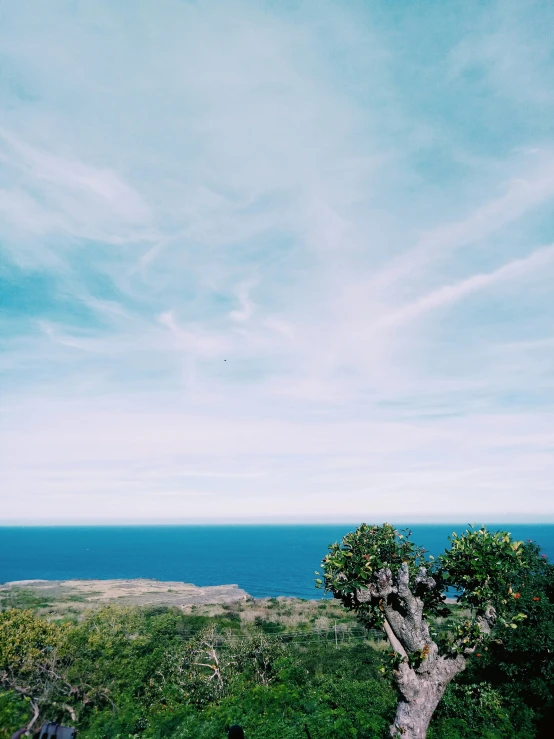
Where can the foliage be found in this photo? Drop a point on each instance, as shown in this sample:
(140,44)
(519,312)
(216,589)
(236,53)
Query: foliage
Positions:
(313,689)
(356,564)
(23,598)
(519,663)
(30,663)
(14,712)
(257,658)
(197,672)
(25,640)
(480,565)
(156,671)
(483,565)
(474,709)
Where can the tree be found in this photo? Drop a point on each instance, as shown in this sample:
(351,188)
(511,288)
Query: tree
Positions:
(197,673)
(257,657)
(36,663)
(388,581)
(520,665)
(30,664)
(203,669)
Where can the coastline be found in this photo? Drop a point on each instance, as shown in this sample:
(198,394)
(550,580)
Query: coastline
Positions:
(81,594)
(78,595)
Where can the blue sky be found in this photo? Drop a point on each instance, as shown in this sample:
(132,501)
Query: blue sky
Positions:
(279,261)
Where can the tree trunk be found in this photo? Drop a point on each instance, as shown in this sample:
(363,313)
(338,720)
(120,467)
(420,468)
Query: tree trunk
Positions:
(421,690)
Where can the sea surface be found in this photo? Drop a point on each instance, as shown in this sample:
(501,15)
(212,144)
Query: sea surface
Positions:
(266,561)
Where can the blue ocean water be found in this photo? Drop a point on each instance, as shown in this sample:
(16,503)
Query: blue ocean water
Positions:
(266,561)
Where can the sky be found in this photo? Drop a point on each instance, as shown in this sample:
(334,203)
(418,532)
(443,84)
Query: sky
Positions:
(273,260)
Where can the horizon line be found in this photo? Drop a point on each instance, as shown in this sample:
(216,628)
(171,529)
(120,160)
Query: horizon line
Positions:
(470,521)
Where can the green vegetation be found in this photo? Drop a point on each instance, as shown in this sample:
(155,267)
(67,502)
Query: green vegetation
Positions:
(386,580)
(154,672)
(20,597)
(279,667)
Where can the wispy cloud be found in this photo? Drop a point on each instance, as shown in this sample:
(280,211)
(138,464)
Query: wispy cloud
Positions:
(449,294)
(522,194)
(272,260)
(56,170)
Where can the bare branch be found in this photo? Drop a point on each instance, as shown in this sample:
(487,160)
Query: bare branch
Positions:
(36,711)
(395,644)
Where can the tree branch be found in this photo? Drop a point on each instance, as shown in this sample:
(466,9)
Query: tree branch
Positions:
(71,711)
(36,711)
(393,641)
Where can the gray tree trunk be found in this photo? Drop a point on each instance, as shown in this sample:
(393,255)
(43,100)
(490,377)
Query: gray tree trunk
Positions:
(421,690)
(423,674)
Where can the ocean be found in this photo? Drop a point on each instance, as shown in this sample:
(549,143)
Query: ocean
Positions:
(266,561)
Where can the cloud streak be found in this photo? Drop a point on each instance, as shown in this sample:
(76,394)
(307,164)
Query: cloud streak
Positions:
(449,294)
